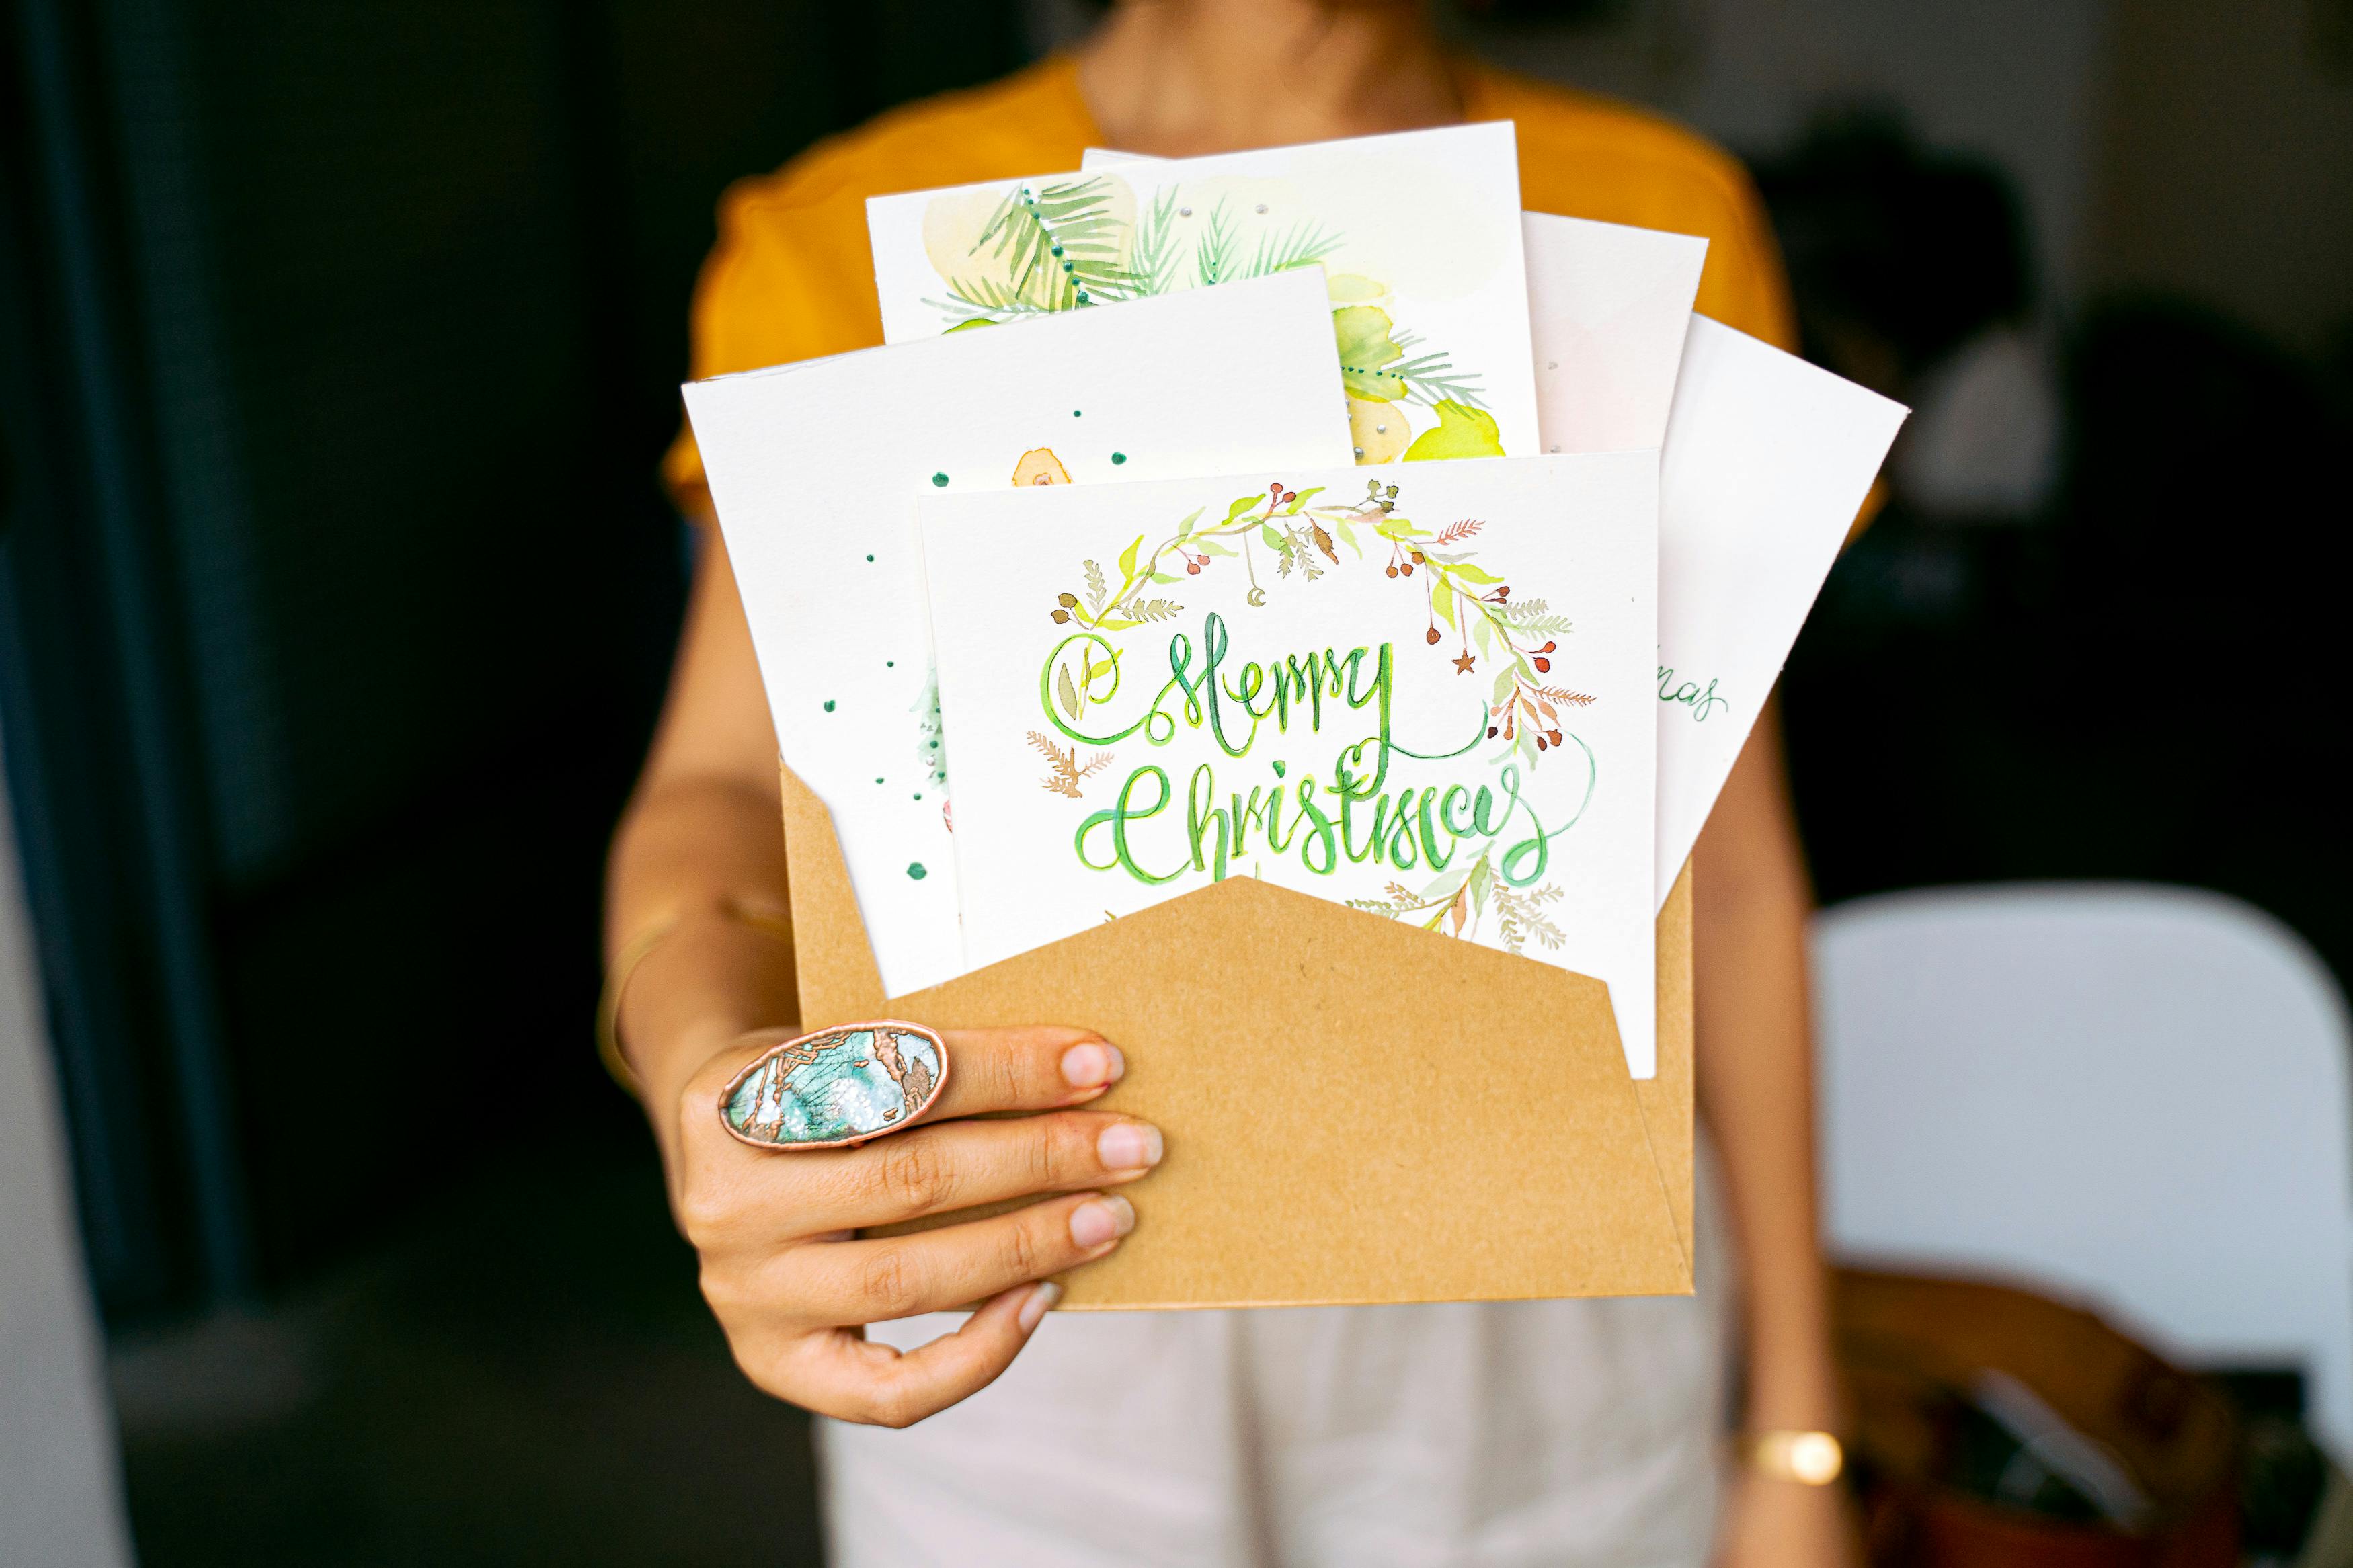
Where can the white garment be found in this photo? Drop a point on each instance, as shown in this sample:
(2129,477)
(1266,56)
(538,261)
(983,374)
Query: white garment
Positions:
(1561,1433)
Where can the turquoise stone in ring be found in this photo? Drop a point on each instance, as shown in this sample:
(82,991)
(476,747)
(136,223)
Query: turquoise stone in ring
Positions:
(836,1086)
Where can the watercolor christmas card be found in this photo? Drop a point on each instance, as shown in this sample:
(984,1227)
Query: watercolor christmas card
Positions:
(1418,233)
(815,468)
(1425,694)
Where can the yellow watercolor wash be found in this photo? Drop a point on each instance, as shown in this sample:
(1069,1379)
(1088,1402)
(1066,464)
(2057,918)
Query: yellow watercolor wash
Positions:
(1378,430)
(1462,432)
(1039,465)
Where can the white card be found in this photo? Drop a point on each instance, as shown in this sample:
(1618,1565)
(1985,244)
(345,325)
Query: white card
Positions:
(1419,232)
(1346,750)
(1608,307)
(815,468)
(1768,461)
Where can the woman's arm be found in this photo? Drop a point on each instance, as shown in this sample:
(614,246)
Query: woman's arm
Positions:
(1755,1088)
(700,836)
(782,1264)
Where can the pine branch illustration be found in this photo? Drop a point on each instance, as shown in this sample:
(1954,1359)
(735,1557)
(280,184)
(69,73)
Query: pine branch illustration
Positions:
(1152,267)
(1456,533)
(1432,377)
(1065,229)
(976,300)
(1302,245)
(1217,253)
(1563,694)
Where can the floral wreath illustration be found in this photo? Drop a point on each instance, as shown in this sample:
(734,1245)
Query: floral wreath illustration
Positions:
(1519,638)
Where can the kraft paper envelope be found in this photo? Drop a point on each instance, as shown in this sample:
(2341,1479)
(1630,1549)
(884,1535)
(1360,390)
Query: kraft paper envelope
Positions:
(1357,1111)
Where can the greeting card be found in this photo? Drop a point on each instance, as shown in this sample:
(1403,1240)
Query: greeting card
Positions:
(1425,694)
(1608,307)
(1418,233)
(1767,462)
(815,468)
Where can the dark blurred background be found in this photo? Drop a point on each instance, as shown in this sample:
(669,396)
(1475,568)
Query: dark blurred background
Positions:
(338,342)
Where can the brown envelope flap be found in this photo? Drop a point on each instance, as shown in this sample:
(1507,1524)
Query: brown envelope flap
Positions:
(1666,1097)
(1364,1112)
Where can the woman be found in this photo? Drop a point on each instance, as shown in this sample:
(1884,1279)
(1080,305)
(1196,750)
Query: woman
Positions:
(1538,1432)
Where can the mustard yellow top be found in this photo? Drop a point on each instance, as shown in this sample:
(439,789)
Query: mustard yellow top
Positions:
(792,277)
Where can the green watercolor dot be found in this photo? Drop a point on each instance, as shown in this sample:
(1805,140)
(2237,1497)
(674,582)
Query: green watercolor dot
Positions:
(890,664)
(1077,413)
(1278,769)
(870,558)
(915,869)
(828,704)
(1117,459)
(941,481)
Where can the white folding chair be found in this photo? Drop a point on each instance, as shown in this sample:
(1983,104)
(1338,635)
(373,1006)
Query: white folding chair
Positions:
(2132,1096)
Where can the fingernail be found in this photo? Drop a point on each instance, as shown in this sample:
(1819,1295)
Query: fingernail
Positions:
(1099,1220)
(1128,1146)
(1093,1065)
(1042,1297)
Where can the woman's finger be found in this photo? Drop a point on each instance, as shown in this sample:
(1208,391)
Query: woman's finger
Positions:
(842,1283)
(860,1380)
(962,1165)
(1034,1067)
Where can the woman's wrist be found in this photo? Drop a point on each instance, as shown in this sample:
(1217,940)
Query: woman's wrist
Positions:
(1792,1384)
(711,978)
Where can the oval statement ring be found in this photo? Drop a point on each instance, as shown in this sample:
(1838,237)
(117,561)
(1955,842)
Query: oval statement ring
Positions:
(834,1088)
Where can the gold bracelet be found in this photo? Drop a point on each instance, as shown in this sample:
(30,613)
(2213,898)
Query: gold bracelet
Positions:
(1808,1459)
(633,953)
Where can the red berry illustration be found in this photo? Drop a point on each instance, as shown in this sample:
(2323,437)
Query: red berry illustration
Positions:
(1290,496)
(1556,736)
(1549,648)
(1409,568)
(1192,569)
(1392,571)
(1202,559)
(1433,634)
(1275,489)
(1490,731)
(1503,593)
(1544,666)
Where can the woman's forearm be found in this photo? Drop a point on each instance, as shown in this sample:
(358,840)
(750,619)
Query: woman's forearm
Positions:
(1756,1081)
(693,857)
(701,849)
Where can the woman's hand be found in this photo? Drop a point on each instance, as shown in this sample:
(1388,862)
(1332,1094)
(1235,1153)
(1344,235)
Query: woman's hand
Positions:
(793,1287)
(1774,1523)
